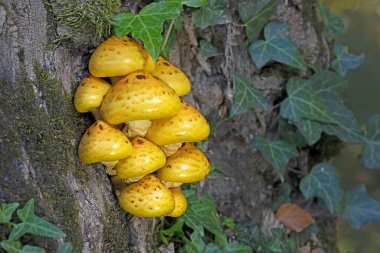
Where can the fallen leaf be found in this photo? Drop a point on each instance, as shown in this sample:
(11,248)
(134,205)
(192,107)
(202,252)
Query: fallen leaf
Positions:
(294,217)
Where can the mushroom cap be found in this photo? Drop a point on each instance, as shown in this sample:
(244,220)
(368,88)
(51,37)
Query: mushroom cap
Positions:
(188,125)
(117,57)
(147,198)
(139,96)
(146,158)
(90,93)
(180,203)
(149,62)
(187,165)
(102,142)
(172,75)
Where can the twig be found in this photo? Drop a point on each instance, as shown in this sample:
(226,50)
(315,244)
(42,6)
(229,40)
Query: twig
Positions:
(167,35)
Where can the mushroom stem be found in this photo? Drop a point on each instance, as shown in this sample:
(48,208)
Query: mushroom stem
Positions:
(115,79)
(171,184)
(96,113)
(110,167)
(136,128)
(170,149)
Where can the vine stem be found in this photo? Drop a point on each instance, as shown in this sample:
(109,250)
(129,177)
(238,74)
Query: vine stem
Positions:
(167,34)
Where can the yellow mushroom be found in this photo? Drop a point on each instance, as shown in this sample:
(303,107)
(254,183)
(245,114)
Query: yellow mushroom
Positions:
(187,165)
(172,75)
(147,198)
(180,203)
(188,125)
(139,96)
(89,95)
(146,158)
(118,57)
(102,142)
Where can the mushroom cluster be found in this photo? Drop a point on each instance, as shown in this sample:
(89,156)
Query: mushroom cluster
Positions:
(143,132)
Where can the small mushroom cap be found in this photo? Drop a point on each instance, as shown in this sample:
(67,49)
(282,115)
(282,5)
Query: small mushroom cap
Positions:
(102,142)
(90,93)
(172,75)
(188,165)
(139,96)
(188,125)
(146,158)
(116,57)
(147,198)
(180,203)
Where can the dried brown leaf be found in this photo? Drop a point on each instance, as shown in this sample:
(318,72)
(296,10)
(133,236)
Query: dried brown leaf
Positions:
(294,217)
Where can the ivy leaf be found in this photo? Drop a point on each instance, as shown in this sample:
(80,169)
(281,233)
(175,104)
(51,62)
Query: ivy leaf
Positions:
(255,14)
(276,46)
(345,60)
(245,96)
(322,182)
(202,214)
(191,3)
(6,211)
(215,13)
(195,3)
(207,49)
(277,153)
(325,81)
(236,247)
(147,25)
(212,248)
(11,246)
(248,235)
(176,229)
(66,247)
(35,225)
(32,249)
(359,208)
(371,151)
(333,25)
(27,211)
(292,135)
(303,103)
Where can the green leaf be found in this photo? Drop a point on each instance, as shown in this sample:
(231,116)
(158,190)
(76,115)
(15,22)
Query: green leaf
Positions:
(215,13)
(11,246)
(36,225)
(255,14)
(201,214)
(327,86)
(249,235)
(6,211)
(359,208)
(236,247)
(176,229)
(246,96)
(66,247)
(27,211)
(228,222)
(32,249)
(284,191)
(325,81)
(207,49)
(370,156)
(276,46)
(322,182)
(333,25)
(212,248)
(303,103)
(147,25)
(292,135)
(195,3)
(344,60)
(277,153)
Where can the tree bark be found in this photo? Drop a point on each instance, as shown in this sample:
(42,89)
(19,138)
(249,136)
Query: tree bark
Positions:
(40,132)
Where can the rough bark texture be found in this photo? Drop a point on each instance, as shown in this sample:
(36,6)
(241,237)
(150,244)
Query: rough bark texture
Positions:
(40,130)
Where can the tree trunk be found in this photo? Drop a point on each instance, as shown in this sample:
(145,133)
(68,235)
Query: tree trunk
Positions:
(40,129)
(40,132)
